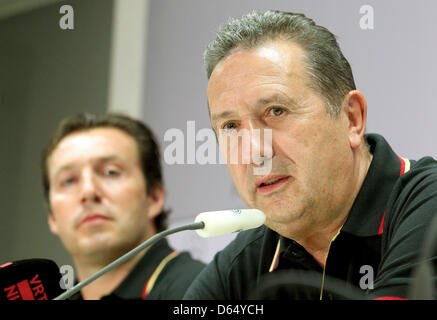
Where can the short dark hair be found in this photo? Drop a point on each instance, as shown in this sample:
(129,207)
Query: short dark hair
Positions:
(147,148)
(329,71)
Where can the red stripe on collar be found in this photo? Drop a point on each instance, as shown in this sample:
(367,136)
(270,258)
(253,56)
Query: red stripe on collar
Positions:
(405,167)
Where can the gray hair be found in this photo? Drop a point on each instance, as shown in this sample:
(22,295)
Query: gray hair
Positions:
(329,71)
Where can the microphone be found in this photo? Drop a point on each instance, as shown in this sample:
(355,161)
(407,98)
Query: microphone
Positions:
(32,279)
(218,223)
(214,223)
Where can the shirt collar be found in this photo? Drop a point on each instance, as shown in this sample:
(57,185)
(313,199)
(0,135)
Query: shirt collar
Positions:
(133,285)
(368,210)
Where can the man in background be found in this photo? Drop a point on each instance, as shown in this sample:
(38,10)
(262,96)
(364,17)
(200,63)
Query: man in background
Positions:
(102,180)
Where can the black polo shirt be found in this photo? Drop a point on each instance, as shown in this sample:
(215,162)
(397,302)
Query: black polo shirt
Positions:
(375,251)
(162,273)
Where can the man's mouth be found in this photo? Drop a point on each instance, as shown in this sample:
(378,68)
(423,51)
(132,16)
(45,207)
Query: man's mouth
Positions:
(270,184)
(94,218)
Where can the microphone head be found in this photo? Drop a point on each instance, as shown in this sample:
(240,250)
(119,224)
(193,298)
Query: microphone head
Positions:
(218,223)
(32,279)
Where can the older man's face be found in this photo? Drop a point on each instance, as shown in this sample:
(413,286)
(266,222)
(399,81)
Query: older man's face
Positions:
(267,88)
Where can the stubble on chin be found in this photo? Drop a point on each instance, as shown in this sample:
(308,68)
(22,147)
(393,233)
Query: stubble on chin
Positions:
(290,216)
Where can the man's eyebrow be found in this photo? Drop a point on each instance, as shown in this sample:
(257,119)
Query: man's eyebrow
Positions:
(61,169)
(222,115)
(108,158)
(276,98)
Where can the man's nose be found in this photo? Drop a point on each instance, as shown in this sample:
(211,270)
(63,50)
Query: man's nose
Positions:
(89,188)
(261,147)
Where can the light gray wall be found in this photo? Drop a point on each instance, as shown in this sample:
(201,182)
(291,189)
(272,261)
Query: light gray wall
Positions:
(46,74)
(394,65)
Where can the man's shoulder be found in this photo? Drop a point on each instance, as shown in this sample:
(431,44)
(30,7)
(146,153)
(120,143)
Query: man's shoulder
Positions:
(414,197)
(250,237)
(184,263)
(246,242)
(177,276)
(426,165)
(411,209)
(421,177)
(234,269)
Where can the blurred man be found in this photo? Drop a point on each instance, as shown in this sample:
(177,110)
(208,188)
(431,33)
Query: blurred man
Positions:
(339,203)
(102,179)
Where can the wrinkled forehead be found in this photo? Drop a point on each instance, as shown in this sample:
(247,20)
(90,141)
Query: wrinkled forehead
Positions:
(278,54)
(250,76)
(267,62)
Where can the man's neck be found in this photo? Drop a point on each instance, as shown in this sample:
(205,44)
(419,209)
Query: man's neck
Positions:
(317,241)
(109,281)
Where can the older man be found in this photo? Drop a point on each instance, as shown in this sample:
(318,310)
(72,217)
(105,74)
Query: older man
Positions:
(103,183)
(339,203)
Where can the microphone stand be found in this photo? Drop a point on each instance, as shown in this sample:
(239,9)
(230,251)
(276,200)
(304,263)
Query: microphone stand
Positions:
(127,256)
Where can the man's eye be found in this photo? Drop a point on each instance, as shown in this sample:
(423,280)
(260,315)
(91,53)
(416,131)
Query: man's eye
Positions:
(68,181)
(111,173)
(276,111)
(229,126)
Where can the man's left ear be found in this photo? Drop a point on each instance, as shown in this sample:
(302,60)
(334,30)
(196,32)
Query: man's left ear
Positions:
(156,201)
(356,110)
